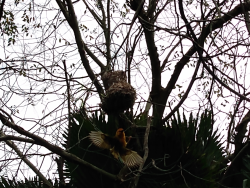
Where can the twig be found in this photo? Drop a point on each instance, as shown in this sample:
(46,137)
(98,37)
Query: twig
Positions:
(229,132)
(185,94)
(17,138)
(132,23)
(71,18)
(68,98)
(1,9)
(20,154)
(183,176)
(134,183)
(55,149)
(9,116)
(60,162)
(226,180)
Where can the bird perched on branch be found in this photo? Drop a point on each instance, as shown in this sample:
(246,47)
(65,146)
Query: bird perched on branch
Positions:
(117,146)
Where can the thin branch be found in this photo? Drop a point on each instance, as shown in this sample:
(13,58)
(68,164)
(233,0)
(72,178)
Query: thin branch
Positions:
(229,131)
(247,20)
(9,116)
(11,144)
(97,18)
(197,44)
(100,5)
(224,85)
(130,54)
(169,54)
(205,32)
(163,8)
(139,9)
(60,162)
(63,9)
(55,149)
(92,55)
(232,169)
(134,183)
(185,94)
(1,9)
(68,99)
(107,34)
(16,138)
(72,20)
(217,8)
(241,130)
(153,55)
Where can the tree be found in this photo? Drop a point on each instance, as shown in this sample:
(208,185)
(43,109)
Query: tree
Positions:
(69,59)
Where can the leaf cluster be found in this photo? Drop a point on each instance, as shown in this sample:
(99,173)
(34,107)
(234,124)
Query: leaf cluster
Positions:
(182,153)
(34,182)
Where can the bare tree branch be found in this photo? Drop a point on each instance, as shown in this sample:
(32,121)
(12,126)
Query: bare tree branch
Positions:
(1,9)
(134,183)
(11,144)
(184,97)
(200,41)
(55,149)
(72,20)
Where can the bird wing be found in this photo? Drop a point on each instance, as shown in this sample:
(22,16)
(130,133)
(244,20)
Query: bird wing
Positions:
(131,158)
(100,139)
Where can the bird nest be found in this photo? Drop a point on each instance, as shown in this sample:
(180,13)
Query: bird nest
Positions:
(109,78)
(120,96)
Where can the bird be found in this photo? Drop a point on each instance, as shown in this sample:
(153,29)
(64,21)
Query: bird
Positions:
(117,147)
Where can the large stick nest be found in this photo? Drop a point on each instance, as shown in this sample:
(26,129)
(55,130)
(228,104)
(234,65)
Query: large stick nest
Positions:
(120,95)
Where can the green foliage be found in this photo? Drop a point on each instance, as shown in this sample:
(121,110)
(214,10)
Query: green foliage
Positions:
(182,153)
(80,146)
(246,167)
(9,27)
(241,173)
(28,183)
(185,153)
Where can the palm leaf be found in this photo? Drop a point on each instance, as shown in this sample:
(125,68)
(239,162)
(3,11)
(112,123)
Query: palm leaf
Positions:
(81,146)
(34,182)
(184,152)
(194,153)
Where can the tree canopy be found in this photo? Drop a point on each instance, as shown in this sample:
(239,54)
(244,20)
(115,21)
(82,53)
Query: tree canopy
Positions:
(174,74)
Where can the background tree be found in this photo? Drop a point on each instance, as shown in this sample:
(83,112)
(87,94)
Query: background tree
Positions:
(64,60)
